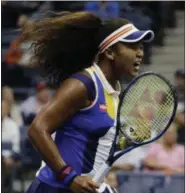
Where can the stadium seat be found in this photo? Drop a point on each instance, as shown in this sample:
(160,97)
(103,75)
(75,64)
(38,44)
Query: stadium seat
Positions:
(176,184)
(150,183)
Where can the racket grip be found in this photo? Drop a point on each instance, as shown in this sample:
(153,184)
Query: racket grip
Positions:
(102,172)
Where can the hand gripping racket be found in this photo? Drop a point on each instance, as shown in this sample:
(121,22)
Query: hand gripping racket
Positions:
(146,109)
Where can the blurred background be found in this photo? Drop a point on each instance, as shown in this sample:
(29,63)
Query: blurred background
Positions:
(155,168)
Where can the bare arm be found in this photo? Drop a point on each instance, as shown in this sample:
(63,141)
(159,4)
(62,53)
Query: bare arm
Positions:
(150,162)
(70,97)
(124,167)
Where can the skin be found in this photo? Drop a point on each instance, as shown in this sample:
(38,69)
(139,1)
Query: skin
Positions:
(43,95)
(124,167)
(120,61)
(71,96)
(111,179)
(180,118)
(126,56)
(180,85)
(180,82)
(7,94)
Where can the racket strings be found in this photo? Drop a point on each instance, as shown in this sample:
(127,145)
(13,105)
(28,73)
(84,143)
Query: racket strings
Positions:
(147,108)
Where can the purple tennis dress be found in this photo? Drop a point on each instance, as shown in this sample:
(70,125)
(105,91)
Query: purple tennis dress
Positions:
(84,141)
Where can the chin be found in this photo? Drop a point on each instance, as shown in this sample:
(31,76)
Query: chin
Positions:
(134,73)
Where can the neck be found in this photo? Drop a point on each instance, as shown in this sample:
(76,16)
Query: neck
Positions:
(41,102)
(108,73)
(169,146)
(11,103)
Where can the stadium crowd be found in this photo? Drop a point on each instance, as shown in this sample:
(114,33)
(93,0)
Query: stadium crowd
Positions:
(24,92)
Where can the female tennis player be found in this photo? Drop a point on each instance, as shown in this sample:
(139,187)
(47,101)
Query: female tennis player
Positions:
(82,113)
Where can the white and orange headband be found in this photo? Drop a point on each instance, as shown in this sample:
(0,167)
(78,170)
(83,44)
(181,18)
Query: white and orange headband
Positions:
(127,33)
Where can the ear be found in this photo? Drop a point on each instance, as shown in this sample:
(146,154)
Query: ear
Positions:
(110,54)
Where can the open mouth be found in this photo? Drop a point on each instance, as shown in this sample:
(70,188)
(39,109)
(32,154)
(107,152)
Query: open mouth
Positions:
(136,65)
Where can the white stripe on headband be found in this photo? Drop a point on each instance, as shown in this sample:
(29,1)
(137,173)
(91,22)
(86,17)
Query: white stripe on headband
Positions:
(115,37)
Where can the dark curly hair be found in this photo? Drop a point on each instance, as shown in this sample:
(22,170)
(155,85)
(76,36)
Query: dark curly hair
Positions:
(69,42)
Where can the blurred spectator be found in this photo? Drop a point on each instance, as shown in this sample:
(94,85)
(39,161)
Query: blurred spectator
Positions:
(180,117)
(180,84)
(157,20)
(168,156)
(10,137)
(111,179)
(22,22)
(132,160)
(73,6)
(104,9)
(11,10)
(34,104)
(41,12)
(137,15)
(20,51)
(14,111)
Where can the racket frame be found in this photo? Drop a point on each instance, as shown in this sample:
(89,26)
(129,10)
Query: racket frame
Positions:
(123,96)
(104,169)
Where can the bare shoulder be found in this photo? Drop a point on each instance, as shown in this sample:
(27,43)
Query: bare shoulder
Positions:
(73,90)
(70,97)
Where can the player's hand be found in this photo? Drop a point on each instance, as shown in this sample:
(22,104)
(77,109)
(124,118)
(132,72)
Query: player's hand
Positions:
(84,184)
(169,171)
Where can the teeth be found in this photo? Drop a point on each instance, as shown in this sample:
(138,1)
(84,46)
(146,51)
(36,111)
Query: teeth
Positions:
(137,67)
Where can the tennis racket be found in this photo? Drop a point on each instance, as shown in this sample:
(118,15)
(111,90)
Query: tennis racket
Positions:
(145,111)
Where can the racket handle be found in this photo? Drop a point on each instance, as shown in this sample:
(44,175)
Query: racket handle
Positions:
(102,172)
